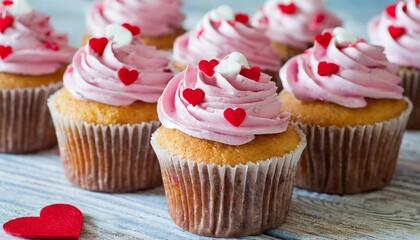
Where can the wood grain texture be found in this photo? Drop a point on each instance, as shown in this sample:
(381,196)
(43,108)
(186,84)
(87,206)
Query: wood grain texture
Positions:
(30,182)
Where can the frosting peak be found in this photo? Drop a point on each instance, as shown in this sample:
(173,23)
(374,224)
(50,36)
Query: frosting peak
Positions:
(118,70)
(398,30)
(344,75)
(154,17)
(221,32)
(224,101)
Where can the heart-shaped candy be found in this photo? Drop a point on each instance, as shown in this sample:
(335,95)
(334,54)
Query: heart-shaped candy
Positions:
(7,3)
(253,73)
(391,10)
(5,22)
(343,37)
(52,46)
(119,34)
(98,44)
(193,96)
(287,8)
(222,13)
(5,51)
(327,69)
(58,221)
(127,76)
(208,66)
(242,18)
(133,29)
(235,116)
(19,7)
(396,32)
(324,39)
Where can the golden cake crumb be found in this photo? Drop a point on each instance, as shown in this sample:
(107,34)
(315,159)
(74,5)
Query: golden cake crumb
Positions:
(11,80)
(330,114)
(99,113)
(262,147)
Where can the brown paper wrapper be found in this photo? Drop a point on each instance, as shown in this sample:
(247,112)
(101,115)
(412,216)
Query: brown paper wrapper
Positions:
(114,158)
(25,122)
(226,201)
(350,160)
(411,84)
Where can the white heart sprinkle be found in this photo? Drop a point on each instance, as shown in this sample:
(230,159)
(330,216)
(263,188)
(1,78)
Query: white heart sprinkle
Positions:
(231,65)
(119,34)
(238,58)
(343,37)
(222,13)
(19,7)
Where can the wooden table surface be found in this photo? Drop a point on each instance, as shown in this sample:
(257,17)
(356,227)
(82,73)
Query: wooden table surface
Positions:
(28,183)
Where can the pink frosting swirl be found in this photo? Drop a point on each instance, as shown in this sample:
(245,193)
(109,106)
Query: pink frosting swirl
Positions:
(155,17)
(296,28)
(95,77)
(35,48)
(401,49)
(216,39)
(206,119)
(363,72)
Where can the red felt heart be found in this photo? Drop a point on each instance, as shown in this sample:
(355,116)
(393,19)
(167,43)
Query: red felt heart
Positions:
(128,77)
(193,96)
(319,18)
(253,73)
(287,8)
(324,39)
(52,46)
(7,3)
(235,116)
(391,10)
(242,18)
(327,69)
(5,22)
(396,32)
(5,51)
(208,66)
(98,44)
(133,29)
(58,221)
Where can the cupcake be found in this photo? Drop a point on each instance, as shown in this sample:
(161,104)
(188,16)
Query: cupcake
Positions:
(221,32)
(227,155)
(345,95)
(398,30)
(160,20)
(33,60)
(292,25)
(106,112)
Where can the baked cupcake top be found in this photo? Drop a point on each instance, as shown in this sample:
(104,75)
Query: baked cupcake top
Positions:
(221,32)
(154,17)
(118,69)
(228,102)
(398,30)
(295,22)
(341,69)
(28,43)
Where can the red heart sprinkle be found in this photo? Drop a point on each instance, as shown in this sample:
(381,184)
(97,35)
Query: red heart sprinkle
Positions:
(7,3)
(5,22)
(5,51)
(287,8)
(396,32)
(133,29)
(235,117)
(327,69)
(216,24)
(391,10)
(418,1)
(58,221)
(208,66)
(253,73)
(128,77)
(98,44)
(52,46)
(193,96)
(319,18)
(242,18)
(324,39)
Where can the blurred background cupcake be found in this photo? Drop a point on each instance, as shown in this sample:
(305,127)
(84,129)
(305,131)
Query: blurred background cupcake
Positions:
(228,157)
(292,25)
(345,95)
(160,20)
(398,30)
(106,113)
(33,58)
(220,32)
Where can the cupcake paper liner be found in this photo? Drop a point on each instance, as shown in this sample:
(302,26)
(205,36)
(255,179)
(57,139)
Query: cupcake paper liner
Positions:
(226,201)
(411,84)
(114,158)
(25,122)
(348,160)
